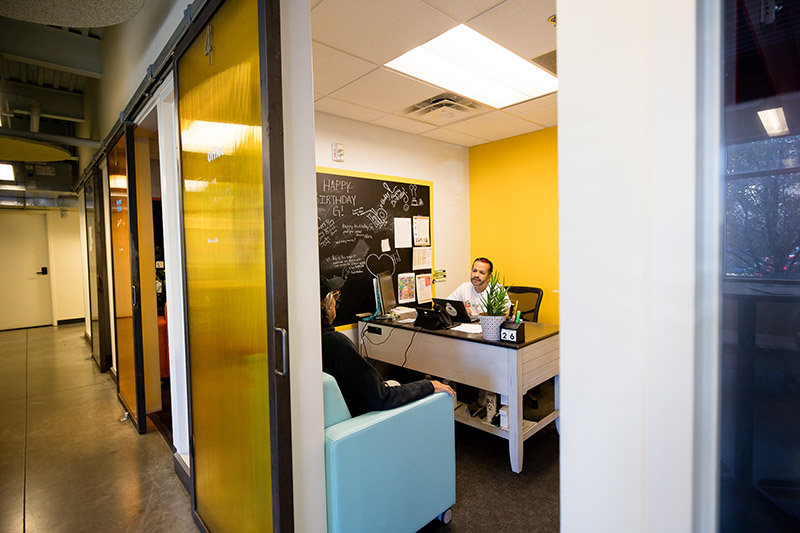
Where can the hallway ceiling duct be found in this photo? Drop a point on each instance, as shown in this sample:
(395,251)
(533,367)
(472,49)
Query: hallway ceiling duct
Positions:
(17,149)
(72,13)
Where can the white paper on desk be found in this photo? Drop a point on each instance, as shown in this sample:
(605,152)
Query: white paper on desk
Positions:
(422,231)
(468,328)
(422,258)
(402,233)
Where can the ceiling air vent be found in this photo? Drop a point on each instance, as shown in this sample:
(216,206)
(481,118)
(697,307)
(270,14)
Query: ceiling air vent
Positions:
(445,109)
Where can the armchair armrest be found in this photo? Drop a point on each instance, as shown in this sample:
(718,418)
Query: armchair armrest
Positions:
(391,470)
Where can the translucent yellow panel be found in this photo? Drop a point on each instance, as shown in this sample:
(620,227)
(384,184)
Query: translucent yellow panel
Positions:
(120,252)
(220,124)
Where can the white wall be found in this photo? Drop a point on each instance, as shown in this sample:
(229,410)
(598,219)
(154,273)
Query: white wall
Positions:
(64,239)
(126,52)
(378,150)
(170,185)
(109,281)
(305,347)
(627,200)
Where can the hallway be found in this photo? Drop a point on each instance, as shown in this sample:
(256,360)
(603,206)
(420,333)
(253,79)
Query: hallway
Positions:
(66,461)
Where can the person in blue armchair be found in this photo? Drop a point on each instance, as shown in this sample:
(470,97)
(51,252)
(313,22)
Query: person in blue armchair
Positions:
(362,387)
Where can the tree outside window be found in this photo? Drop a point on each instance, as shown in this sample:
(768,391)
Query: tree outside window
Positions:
(762,211)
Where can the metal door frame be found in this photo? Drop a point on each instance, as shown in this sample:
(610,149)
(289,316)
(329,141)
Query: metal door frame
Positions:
(98,228)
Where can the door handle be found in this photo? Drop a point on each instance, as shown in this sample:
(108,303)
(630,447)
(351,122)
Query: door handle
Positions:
(282,371)
(43,271)
(134,302)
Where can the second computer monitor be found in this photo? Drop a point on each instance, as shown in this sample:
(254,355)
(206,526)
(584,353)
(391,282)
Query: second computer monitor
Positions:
(388,298)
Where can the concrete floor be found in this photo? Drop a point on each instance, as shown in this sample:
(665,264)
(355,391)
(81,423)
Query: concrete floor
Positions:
(66,461)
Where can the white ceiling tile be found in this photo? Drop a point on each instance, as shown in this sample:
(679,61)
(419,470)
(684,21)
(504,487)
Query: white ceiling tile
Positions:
(351,37)
(463,10)
(403,124)
(386,91)
(520,25)
(531,127)
(377,30)
(490,125)
(524,107)
(454,137)
(546,116)
(334,69)
(346,109)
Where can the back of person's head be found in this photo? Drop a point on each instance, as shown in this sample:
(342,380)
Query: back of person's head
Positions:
(328,290)
(484,260)
(325,306)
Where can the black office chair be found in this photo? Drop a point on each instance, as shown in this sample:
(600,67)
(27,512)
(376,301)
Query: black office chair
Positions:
(530,299)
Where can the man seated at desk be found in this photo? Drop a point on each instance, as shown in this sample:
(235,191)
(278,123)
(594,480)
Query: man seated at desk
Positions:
(362,386)
(471,293)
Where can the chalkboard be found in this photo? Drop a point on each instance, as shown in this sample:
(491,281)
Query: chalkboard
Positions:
(354,214)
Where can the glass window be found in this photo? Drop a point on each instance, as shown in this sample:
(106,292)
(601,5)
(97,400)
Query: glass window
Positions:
(762,211)
(759,474)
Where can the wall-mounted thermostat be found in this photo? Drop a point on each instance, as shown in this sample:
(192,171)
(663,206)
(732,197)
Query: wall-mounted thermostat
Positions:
(337,152)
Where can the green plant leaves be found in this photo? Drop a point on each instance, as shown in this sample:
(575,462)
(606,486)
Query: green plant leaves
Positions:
(494,297)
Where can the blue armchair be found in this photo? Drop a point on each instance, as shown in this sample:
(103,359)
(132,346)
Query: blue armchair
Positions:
(388,470)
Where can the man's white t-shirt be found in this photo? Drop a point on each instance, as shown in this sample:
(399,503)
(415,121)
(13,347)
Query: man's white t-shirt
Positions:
(472,299)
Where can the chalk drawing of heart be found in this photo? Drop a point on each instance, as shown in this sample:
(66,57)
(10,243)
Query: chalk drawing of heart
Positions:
(379,263)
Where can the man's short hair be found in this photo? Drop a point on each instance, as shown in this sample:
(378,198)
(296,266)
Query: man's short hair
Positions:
(484,260)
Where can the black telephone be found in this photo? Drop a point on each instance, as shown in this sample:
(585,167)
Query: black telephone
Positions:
(435,318)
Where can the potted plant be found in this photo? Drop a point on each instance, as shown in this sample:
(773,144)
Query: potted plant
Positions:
(494,300)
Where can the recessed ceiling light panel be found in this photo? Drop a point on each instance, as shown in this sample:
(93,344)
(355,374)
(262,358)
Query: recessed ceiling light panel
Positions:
(464,61)
(774,121)
(6,172)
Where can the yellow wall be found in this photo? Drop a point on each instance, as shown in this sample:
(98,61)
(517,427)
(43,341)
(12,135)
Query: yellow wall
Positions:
(513,191)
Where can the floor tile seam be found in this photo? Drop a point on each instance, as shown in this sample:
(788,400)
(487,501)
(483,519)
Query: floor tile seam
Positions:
(53,392)
(12,400)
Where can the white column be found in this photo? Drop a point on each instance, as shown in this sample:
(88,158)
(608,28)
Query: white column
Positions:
(308,460)
(627,203)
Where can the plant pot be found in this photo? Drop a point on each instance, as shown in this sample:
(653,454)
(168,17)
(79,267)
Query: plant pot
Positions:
(491,326)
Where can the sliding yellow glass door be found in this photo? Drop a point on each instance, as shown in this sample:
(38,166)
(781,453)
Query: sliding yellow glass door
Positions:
(124,258)
(226,263)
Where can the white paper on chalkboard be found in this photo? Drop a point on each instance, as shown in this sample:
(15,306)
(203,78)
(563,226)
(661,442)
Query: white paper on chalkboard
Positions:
(422,233)
(405,288)
(385,245)
(424,288)
(402,232)
(422,258)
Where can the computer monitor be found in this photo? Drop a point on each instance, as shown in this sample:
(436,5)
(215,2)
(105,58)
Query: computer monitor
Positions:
(388,298)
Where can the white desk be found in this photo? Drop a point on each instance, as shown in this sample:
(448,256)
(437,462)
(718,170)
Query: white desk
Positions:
(500,367)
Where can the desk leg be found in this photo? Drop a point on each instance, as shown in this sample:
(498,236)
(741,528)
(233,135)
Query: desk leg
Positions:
(515,442)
